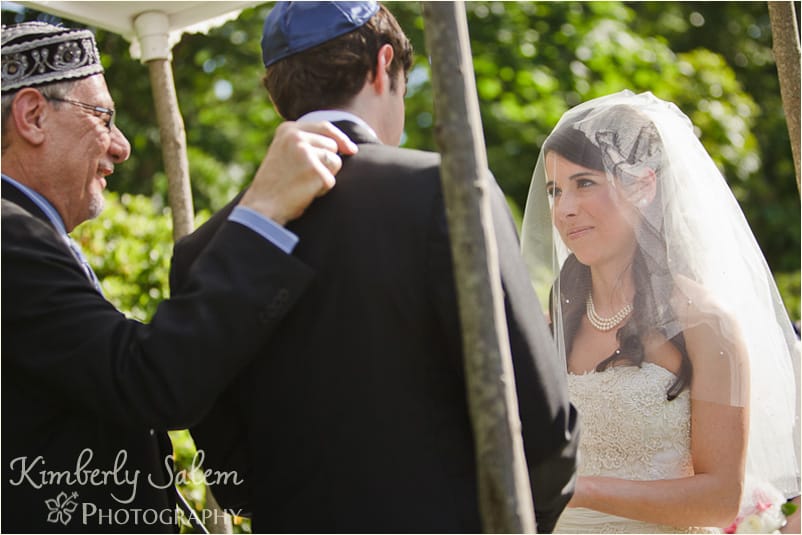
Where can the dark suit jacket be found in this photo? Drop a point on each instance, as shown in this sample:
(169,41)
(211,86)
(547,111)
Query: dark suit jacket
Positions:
(357,420)
(77,376)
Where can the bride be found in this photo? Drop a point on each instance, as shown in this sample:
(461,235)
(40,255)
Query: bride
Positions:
(680,356)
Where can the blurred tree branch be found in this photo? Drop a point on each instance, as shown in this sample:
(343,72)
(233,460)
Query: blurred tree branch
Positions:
(785,44)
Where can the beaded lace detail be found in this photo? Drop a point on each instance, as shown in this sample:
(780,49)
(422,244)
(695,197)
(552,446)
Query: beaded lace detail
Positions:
(629,431)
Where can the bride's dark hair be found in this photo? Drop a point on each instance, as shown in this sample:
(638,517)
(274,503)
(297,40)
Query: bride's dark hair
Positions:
(652,279)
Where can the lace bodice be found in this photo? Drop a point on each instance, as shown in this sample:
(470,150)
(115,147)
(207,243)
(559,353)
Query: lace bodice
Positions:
(629,431)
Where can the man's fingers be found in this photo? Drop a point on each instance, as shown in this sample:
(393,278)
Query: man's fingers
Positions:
(324,133)
(300,165)
(331,163)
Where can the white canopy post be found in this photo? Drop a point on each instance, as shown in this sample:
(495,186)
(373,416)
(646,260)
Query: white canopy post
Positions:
(152,29)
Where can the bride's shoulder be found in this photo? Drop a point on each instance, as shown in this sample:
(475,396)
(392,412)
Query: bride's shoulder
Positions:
(713,339)
(695,306)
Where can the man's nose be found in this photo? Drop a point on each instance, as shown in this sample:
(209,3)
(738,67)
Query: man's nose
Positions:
(120,148)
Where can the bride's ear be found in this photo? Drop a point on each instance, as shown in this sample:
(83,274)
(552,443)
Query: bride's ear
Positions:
(644,188)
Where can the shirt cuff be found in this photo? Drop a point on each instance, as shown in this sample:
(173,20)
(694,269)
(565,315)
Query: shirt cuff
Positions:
(268,229)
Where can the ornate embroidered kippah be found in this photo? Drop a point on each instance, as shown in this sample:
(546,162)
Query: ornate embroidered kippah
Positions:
(36,53)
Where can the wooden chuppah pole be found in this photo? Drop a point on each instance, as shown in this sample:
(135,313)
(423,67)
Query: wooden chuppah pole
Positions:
(785,44)
(153,34)
(152,30)
(504,494)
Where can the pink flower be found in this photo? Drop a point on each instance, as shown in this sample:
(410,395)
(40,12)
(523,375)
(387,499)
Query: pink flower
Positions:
(762,506)
(734,526)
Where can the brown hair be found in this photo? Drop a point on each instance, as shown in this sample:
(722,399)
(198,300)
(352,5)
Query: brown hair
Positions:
(331,74)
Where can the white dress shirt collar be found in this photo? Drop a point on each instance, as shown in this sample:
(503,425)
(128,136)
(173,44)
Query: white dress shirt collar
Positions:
(335,115)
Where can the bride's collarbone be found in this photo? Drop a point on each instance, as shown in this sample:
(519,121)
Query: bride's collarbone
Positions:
(591,348)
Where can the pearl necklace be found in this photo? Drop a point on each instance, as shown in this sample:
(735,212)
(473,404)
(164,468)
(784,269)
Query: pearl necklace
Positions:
(605,324)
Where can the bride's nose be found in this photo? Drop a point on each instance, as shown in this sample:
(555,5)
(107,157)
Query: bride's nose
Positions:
(565,206)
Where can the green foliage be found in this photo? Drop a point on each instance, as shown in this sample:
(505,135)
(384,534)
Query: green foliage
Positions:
(790,289)
(130,247)
(789,508)
(190,480)
(188,477)
(740,33)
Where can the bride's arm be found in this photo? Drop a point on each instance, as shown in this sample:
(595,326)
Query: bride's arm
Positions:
(708,498)
(719,430)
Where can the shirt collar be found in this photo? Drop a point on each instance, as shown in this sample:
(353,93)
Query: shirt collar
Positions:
(335,115)
(42,203)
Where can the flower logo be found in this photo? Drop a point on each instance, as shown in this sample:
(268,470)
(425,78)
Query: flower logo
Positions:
(61,508)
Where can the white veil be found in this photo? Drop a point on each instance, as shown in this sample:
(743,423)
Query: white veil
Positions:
(693,230)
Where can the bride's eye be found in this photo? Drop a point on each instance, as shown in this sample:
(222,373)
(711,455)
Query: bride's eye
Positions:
(552,191)
(585,183)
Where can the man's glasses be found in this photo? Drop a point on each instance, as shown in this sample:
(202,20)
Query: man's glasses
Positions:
(89,107)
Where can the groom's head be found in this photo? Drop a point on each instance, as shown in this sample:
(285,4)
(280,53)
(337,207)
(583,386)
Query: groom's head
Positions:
(320,55)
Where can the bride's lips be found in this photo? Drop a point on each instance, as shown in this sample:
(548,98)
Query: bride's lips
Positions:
(577,232)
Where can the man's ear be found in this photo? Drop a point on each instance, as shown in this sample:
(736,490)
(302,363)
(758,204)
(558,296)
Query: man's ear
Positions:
(381,81)
(29,110)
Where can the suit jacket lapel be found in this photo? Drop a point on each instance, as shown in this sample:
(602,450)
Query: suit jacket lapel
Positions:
(356,132)
(13,194)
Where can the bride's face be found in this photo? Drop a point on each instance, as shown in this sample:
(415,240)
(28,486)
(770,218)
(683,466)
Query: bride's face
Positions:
(594,222)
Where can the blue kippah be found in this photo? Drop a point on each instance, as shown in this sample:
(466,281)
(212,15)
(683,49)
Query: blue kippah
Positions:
(293,27)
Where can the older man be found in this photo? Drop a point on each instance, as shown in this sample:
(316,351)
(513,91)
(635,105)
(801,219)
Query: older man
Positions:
(87,394)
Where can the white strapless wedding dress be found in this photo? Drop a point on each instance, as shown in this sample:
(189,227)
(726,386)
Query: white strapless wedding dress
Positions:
(629,431)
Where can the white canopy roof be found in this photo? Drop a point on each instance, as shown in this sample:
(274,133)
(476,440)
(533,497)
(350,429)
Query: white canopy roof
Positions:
(173,19)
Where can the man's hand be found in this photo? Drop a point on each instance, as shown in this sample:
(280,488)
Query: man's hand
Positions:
(299,166)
